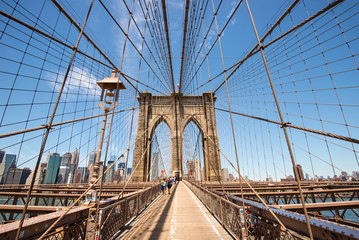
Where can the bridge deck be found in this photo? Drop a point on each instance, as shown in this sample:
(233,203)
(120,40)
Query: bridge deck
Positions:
(177,216)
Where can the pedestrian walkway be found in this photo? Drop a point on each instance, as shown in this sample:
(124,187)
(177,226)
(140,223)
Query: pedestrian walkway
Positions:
(177,216)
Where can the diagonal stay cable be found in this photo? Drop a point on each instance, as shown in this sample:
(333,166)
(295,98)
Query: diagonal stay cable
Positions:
(50,123)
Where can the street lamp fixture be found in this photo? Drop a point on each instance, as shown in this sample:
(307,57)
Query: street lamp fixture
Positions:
(110,88)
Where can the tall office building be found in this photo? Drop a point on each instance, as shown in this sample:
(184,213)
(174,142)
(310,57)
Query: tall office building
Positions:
(110,173)
(300,172)
(17,176)
(197,167)
(92,158)
(154,167)
(8,162)
(122,161)
(40,175)
(80,175)
(2,154)
(52,169)
(71,173)
(121,171)
(225,174)
(66,159)
(75,157)
(48,155)
(63,174)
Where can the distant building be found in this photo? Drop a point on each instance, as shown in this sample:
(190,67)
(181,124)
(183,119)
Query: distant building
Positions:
(121,171)
(66,159)
(116,176)
(231,177)
(63,174)
(52,169)
(17,176)
(307,176)
(197,168)
(2,154)
(194,168)
(80,175)
(70,177)
(92,158)
(40,175)
(300,172)
(90,171)
(225,174)
(8,162)
(110,173)
(75,157)
(288,179)
(154,167)
(47,157)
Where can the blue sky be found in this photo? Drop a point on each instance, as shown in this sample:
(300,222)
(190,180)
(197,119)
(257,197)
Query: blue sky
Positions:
(314,71)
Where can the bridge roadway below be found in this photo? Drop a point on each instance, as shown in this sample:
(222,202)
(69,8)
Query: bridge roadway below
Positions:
(180,215)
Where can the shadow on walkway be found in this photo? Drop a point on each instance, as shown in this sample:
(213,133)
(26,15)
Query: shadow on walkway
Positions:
(161,221)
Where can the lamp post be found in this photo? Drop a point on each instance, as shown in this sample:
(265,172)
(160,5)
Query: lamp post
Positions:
(110,88)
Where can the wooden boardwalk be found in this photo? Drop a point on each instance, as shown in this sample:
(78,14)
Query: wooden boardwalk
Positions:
(177,216)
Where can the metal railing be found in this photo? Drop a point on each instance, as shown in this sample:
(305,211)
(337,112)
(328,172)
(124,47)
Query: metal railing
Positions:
(114,214)
(113,217)
(260,224)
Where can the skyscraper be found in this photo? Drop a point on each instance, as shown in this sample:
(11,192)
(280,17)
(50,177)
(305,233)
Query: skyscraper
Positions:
(300,172)
(92,158)
(110,173)
(66,159)
(80,175)
(40,175)
(154,167)
(71,173)
(63,174)
(52,169)
(121,171)
(17,176)
(47,157)
(8,162)
(75,157)
(2,154)
(225,174)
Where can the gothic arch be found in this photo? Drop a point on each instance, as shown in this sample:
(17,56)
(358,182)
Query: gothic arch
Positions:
(196,120)
(176,111)
(157,121)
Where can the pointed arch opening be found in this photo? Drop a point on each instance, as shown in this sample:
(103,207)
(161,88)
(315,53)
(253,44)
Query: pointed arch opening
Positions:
(160,159)
(193,154)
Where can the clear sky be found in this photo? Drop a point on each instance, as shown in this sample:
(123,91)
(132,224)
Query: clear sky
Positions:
(314,71)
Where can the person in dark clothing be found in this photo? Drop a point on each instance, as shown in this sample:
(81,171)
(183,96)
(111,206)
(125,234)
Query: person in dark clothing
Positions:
(169,185)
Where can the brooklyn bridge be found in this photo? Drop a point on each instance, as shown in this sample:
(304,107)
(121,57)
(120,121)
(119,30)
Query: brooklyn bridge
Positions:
(179,119)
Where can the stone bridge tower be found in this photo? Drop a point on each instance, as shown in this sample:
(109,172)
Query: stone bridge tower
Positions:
(177,111)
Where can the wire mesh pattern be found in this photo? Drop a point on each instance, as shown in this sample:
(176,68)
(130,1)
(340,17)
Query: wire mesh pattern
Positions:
(115,216)
(285,86)
(236,220)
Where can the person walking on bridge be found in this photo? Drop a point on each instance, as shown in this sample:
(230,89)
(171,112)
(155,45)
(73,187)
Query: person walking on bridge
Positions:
(169,185)
(163,186)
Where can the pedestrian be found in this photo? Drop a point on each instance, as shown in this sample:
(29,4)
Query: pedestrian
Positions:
(169,185)
(163,187)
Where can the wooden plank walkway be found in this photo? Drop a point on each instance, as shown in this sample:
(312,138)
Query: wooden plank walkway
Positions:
(177,216)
